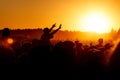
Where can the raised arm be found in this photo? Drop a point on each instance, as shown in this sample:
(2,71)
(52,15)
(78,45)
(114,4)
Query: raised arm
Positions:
(56,29)
(52,27)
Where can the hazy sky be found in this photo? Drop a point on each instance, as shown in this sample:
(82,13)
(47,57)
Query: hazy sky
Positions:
(43,13)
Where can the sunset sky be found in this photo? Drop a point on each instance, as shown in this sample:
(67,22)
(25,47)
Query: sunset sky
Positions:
(73,14)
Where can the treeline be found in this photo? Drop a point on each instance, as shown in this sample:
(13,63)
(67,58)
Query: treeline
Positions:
(62,35)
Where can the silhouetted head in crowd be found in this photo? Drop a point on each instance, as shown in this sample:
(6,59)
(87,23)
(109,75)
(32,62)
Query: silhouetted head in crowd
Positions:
(100,42)
(5,32)
(76,42)
(46,30)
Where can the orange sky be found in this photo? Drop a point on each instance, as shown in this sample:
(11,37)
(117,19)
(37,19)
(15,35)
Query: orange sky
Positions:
(43,13)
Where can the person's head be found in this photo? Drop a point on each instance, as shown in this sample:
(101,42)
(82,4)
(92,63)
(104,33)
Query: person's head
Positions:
(80,44)
(76,42)
(46,30)
(100,41)
(5,32)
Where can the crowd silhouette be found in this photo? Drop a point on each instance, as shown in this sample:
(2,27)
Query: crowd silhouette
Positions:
(65,57)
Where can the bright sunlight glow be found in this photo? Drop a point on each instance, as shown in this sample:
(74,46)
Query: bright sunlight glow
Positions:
(10,40)
(97,23)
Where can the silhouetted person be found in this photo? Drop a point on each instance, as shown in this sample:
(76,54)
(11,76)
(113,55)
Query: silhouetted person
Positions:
(47,34)
(41,54)
(5,33)
(6,51)
(6,39)
(100,44)
(79,51)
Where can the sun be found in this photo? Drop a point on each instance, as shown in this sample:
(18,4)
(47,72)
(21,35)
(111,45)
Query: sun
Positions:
(96,23)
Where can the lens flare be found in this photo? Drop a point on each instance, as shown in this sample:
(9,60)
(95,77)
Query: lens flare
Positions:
(10,40)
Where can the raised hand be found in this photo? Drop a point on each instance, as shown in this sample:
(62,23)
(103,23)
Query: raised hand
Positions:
(56,29)
(60,26)
(53,25)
